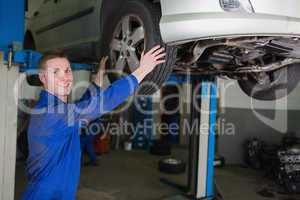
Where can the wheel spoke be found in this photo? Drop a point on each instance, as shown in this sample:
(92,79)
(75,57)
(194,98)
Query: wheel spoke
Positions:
(116,45)
(120,65)
(137,35)
(126,26)
(132,60)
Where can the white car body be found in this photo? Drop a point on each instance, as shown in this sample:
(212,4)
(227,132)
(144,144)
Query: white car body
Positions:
(201,19)
(247,40)
(181,21)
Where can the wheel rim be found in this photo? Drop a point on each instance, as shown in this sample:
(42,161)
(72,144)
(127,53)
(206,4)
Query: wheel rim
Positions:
(172,161)
(127,44)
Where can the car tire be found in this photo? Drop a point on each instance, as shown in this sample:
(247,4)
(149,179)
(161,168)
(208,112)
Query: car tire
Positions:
(171,166)
(140,13)
(283,82)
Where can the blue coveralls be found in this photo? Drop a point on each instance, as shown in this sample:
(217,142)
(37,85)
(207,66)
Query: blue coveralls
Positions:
(53,165)
(87,141)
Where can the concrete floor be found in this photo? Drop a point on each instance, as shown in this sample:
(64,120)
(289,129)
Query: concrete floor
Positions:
(134,176)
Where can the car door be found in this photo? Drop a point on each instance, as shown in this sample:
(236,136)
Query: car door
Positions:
(39,24)
(76,22)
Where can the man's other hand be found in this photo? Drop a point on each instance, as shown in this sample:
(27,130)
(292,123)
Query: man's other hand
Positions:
(101,71)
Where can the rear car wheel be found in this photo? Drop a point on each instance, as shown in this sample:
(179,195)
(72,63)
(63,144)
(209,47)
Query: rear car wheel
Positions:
(135,28)
(274,85)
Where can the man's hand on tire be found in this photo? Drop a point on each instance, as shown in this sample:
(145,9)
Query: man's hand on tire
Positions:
(149,61)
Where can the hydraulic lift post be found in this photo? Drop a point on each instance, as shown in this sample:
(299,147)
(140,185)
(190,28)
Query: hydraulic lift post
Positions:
(202,140)
(200,183)
(8,128)
(11,36)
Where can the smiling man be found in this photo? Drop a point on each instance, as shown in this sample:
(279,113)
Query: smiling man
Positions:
(53,165)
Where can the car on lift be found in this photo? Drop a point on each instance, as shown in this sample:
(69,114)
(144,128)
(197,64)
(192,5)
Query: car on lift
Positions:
(255,42)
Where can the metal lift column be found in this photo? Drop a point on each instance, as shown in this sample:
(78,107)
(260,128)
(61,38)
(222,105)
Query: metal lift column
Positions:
(202,139)
(11,36)
(202,142)
(8,129)
(200,183)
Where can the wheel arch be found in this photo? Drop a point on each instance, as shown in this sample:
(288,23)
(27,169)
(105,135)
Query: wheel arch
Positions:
(154,1)
(109,5)
(29,42)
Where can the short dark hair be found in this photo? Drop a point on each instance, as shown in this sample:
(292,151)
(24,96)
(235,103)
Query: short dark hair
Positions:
(51,55)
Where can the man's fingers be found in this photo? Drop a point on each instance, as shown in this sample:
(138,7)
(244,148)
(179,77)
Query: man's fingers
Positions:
(104,59)
(160,62)
(160,56)
(158,51)
(153,49)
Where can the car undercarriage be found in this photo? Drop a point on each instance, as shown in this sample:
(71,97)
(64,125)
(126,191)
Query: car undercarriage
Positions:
(238,57)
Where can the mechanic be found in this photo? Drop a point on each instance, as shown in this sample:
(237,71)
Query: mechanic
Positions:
(53,165)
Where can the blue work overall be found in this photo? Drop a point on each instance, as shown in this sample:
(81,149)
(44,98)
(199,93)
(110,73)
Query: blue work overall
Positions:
(53,165)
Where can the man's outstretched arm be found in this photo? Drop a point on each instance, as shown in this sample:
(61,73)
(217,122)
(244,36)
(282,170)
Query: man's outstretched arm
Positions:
(105,101)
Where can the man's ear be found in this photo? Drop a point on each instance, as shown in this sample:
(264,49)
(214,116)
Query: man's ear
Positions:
(42,77)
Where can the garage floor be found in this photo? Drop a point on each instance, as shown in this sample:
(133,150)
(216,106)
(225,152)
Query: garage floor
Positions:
(133,176)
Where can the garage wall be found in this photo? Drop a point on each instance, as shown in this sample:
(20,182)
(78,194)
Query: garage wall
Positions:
(234,97)
(269,121)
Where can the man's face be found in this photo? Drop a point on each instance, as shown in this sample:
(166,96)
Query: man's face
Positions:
(57,77)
